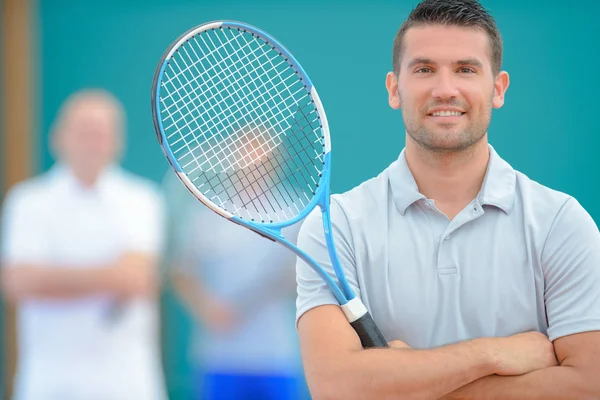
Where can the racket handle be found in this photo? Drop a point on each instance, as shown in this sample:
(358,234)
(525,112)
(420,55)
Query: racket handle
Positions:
(357,314)
(367,331)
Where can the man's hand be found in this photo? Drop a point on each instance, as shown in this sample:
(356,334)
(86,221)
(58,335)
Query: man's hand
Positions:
(214,312)
(516,355)
(135,277)
(523,353)
(218,315)
(398,344)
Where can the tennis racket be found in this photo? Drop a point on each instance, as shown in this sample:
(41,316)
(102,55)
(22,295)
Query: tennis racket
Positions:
(243,127)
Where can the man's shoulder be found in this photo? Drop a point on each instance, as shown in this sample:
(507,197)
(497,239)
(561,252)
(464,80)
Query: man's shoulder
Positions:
(30,190)
(539,198)
(367,198)
(136,185)
(358,204)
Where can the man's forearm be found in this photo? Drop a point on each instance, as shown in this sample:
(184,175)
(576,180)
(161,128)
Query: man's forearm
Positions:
(337,366)
(404,373)
(63,283)
(554,383)
(131,275)
(25,282)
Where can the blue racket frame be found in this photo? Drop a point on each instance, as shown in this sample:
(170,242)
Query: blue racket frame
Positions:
(343,293)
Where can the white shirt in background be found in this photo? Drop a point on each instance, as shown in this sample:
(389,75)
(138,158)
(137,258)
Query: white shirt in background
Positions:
(72,349)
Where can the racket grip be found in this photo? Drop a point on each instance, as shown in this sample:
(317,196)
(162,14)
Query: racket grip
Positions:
(357,314)
(367,331)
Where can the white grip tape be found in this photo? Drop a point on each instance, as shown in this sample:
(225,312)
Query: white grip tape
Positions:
(354,309)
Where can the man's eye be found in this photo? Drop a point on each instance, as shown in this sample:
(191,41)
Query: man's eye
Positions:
(423,70)
(466,70)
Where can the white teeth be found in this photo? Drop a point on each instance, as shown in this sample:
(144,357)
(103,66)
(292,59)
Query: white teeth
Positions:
(447,114)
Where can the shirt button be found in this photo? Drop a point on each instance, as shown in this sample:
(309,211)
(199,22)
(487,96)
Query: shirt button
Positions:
(447,237)
(427,206)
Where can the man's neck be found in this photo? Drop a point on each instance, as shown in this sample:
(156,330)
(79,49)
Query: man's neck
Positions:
(87,178)
(451,179)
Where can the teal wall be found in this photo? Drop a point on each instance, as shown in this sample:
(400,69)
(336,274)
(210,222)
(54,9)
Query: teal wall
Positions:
(548,128)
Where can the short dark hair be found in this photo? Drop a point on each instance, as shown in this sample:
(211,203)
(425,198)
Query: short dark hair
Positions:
(465,13)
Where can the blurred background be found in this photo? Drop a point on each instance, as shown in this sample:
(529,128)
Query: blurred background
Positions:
(53,48)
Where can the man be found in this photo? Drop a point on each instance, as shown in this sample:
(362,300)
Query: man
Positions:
(485,282)
(80,247)
(239,286)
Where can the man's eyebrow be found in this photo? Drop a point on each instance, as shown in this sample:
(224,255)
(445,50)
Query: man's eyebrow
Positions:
(419,60)
(470,61)
(466,61)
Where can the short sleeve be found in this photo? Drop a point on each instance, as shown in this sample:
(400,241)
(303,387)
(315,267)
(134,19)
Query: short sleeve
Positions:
(571,262)
(312,290)
(146,222)
(190,240)
(23,238)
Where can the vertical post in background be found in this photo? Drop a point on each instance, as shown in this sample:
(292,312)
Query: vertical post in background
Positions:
(16,132)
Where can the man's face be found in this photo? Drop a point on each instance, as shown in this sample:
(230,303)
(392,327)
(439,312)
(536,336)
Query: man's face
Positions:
(89,139)
(446,88)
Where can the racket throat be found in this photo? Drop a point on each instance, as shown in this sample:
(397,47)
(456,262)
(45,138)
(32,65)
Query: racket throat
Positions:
(354,309)
(273,234)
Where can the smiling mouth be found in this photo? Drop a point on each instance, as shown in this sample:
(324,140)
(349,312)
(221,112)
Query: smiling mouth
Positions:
(446,114)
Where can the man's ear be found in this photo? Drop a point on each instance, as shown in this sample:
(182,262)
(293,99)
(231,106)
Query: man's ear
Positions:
(391,84)
(500,86)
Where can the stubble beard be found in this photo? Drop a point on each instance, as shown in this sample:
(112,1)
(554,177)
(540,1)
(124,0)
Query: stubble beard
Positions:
(454,142)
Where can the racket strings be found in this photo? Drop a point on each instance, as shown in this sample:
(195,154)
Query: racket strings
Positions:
(232,94)
(293,145)
(242,124)
(199,62)
(251,180)
(272,167)
(185,115)
(277,184)
(253,198)
(257,89)
(274,116)
(219,155)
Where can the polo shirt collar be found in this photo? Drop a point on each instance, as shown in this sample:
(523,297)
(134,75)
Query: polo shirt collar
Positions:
(498,187)
(63,175)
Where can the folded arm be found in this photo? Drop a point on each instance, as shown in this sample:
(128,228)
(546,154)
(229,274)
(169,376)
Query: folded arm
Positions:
(570,260)
(577,377)
(337,366)
(132,275)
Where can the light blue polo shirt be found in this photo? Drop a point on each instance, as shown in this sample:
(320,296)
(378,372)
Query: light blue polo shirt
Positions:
(519,257)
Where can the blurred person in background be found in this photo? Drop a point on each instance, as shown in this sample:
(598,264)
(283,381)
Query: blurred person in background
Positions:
(240,288)
(79,251)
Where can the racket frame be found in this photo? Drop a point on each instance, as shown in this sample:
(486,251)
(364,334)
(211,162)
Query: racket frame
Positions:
(351,305)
